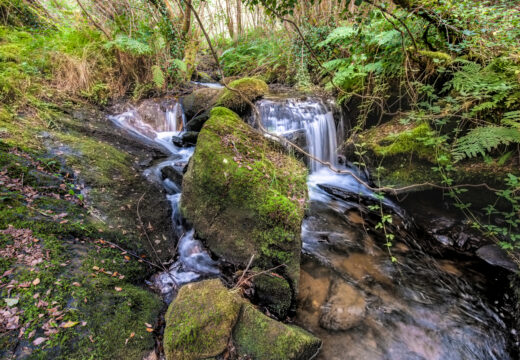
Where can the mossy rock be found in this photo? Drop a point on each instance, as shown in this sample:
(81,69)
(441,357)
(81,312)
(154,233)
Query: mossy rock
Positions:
(200,321)
(199,101)
(274,293)
(251,88)
(262,338)
(245,196)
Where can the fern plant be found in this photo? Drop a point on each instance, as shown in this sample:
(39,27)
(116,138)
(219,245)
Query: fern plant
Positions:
(483,139)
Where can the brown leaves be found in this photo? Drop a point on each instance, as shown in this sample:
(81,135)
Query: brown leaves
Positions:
(9,319)
(23,249)
(39,341)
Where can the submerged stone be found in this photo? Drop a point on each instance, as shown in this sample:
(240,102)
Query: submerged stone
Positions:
(251,88)
(344,309)
(262,338)
(245,196)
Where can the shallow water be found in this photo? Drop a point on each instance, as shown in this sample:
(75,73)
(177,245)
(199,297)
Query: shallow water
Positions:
(360,303)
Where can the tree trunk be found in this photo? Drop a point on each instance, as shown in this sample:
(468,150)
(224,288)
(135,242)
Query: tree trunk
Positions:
(229,19)
(239,18)
(186,25)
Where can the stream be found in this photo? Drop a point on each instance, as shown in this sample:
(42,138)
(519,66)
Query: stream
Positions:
(352,296)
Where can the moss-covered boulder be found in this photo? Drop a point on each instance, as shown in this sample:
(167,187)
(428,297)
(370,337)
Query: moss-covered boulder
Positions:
(251,88)
(262,338)
(200,321)
(206,317)
(245,196)
(274,293)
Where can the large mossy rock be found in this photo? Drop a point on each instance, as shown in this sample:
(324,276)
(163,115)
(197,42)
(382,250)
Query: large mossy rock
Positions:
(205,317)
(200,321)
(245,196)
(251,88)
(261,338)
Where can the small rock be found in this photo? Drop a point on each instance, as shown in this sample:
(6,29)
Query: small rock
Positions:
(344,309)
(494,255)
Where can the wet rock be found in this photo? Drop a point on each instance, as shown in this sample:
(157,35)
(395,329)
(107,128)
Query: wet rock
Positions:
(236,207)
(274,293)
(494,255)
(199,101)
(169,172)
(344,309)
(196,123)
(251,88)
(188,138)
(262,338)
(200,321)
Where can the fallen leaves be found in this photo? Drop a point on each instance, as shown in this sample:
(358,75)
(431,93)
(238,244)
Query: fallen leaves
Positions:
(39,341)
(118,288)
(36,281)
(9,319)
(11,302)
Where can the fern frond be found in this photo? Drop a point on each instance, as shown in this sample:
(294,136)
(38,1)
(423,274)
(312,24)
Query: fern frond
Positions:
(158,76)
(484,139)
(339,34)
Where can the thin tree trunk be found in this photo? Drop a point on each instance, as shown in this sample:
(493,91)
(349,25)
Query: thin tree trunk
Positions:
(239,18)
(229,20)
(187,19)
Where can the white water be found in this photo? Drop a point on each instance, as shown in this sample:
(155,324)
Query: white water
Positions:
(283,117)
(193,260)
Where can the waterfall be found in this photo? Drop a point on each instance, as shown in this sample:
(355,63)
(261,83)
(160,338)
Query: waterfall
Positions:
(153,122)
(287,117)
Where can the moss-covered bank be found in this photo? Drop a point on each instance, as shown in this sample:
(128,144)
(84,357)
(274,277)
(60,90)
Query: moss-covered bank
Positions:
(401,154)
(245,196)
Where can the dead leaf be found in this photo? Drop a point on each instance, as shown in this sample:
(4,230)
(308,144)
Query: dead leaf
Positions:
(36,281)
(147,325)
(149,329)
(118,288)
(69,324)
(39,341)
(76,284)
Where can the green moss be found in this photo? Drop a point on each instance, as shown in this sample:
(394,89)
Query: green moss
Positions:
(274,292)
(200,321)
(437,55)
(406,142)
(62,229)
(98,162)
(263,338)
(244,195)
(251,88)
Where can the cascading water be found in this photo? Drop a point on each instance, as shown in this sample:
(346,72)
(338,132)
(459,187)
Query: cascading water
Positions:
(161,122)
(352,295)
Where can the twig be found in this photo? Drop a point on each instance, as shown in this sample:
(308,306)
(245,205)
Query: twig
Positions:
(239,282)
